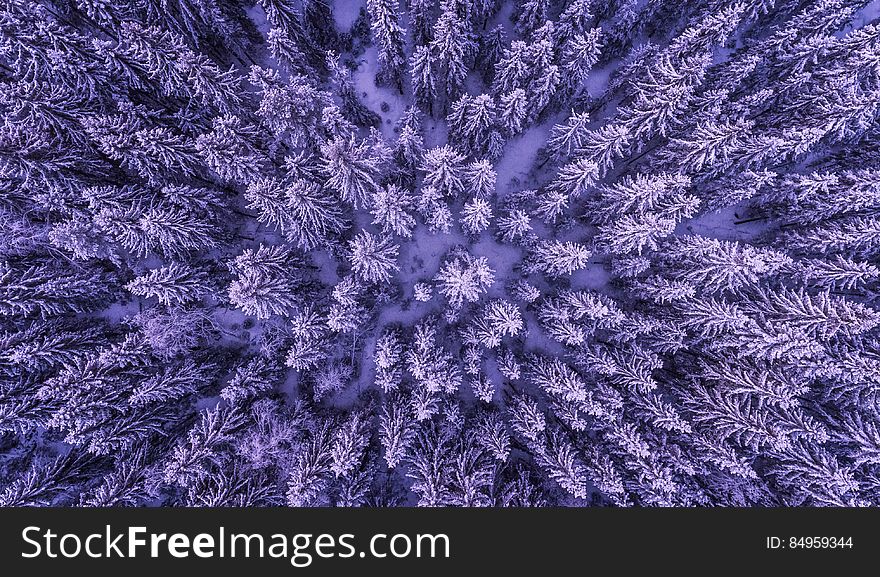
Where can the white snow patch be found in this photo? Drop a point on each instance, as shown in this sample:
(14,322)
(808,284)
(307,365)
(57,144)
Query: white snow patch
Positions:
(597,80)
(375,96)
(503,17)
(118,311)
(258,16)
(502,259)
(594,277)
(290,386)
(722,224)
(327,267)
(435,132)
(205,403)
(345,12)
(420,255)
(520,153)
(864,16)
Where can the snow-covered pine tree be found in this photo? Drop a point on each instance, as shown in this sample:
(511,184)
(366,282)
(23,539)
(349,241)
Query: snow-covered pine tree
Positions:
(476,215)
(177,283)
(512,111)
(464,278)
(373,258)
(557,258)
(422,77)
(390,208)
(266,281)
(471,120)
(421,17)
(390,37)
(444,170)
(353,169)
(453,48)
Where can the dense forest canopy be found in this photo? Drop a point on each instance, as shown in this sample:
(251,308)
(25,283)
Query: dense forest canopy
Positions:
(439,252)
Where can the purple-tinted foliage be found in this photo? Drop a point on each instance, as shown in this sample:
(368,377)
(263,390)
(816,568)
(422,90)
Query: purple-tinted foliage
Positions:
(460,254)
